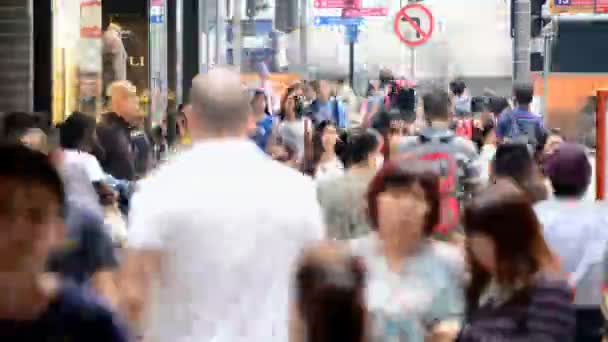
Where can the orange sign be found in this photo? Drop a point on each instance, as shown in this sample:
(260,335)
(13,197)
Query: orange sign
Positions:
(578,6)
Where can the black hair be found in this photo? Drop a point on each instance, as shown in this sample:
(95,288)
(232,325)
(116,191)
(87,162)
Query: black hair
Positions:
(15,124)
(480,135)
(516,161)
(498,104)
(436,105)
(524,93)
(330,299)
(77,131)
(26,166)
(513,160)
(317,141)
(360,145)
(457,87)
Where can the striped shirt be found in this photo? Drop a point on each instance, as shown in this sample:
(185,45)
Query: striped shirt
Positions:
(546,316)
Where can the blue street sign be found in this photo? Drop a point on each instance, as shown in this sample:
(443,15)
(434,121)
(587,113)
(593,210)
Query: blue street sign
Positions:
(352,33)
(157,19)
(323,21)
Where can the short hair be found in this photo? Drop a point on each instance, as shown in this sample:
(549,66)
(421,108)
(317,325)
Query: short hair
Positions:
(219,100)
(457,87)
(76,130)
(498,104)
(15,124)
(516,161)
(569,170)
(524,93)
(361,144)
(405,173)
(26,166)
(513,160)
(436,104)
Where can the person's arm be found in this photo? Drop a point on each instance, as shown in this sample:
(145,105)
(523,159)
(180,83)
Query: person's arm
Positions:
(101,260)
(312,230)
(117,156)
(143,255)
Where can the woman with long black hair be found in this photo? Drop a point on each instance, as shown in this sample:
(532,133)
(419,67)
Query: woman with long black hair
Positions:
(516,291)
(324,163)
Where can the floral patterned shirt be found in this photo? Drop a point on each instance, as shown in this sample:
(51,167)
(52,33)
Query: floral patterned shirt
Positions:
(427,290)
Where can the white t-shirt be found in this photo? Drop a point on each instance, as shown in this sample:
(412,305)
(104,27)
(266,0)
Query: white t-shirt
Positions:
(87,161)
(230,223)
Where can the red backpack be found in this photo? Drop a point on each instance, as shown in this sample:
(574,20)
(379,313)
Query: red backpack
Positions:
(449,206)
(464,128)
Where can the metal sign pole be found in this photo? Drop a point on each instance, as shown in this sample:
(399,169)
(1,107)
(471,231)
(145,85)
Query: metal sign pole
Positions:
(413,64)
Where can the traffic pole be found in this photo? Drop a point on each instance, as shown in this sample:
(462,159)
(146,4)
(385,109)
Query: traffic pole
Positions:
(351,62)
(522,40)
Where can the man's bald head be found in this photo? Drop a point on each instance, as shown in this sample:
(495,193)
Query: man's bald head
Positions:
(219,102)
(124,101)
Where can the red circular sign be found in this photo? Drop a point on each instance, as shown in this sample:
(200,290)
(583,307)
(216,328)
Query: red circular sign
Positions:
(403,16)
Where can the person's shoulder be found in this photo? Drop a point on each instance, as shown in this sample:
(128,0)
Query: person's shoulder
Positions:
(85,312)
(465,145)
(408,142)
(363,246)
(447,257)
(551,286)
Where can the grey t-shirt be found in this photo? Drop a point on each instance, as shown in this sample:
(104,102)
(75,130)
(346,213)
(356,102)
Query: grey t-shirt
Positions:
(344,205)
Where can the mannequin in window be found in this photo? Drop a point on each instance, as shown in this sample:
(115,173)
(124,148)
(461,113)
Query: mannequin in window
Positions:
(114,55)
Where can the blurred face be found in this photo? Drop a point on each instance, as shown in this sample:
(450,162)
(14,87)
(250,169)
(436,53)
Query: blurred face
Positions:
(324,90)
(290,105)
(401,213)
(329,138)
(126,104)
(483,250)
(553,142)
(259,104)
(31,226)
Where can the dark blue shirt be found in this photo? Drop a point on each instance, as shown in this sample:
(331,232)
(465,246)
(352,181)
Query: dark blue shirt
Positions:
(74,316)
(523,117)
(88,247)
(263,132)
(332,110)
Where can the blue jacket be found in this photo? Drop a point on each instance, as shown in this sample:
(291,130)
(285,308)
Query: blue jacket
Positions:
(332,110)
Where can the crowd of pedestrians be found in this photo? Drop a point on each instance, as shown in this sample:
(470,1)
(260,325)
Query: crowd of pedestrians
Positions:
(461,219)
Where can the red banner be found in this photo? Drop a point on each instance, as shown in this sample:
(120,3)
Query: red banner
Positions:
(365,12)
(337,3)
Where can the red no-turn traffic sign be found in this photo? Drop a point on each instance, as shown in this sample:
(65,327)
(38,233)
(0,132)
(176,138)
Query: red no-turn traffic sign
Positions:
(423,32)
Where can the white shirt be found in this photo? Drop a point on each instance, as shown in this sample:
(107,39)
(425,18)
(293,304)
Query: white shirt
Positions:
(87,161)
(230,223)
(575,230)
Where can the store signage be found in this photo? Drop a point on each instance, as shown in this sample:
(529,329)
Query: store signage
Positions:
(338,21)
(578,6)
(365,12)
(337,3)
(157,14)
